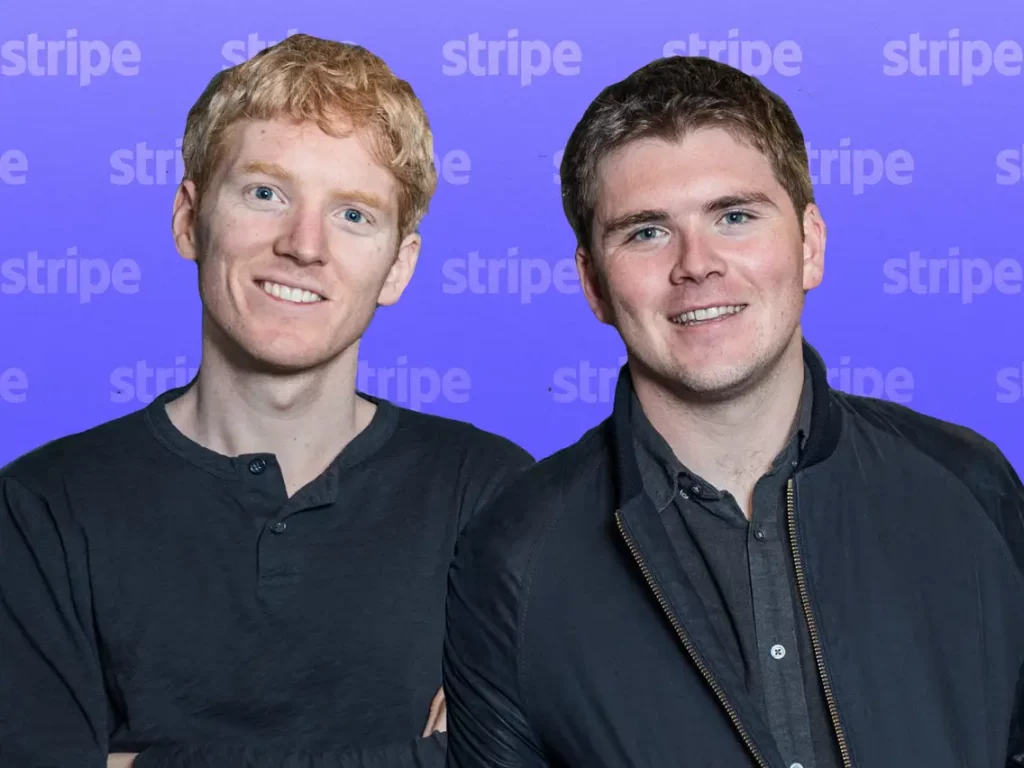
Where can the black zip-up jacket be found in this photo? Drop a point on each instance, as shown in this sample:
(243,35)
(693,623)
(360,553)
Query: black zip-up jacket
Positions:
(575,639)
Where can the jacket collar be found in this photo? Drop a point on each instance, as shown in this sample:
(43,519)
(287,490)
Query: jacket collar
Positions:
(826,424)
(650,545)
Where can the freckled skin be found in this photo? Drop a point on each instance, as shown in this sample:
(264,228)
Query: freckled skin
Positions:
(749,254)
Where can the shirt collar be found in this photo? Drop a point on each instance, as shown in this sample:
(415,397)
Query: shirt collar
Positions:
(663,474)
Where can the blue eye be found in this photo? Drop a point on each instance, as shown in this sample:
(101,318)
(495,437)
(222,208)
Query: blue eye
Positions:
(264,193)
(645,234)
(737,217)
(356,217)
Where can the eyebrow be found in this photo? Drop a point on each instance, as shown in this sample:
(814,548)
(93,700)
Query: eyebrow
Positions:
(659,216)
(630,220)
(737,200)
(267,169)
(276,171)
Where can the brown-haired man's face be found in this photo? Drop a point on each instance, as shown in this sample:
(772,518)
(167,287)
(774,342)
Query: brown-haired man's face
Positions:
(297,243)
(697,259)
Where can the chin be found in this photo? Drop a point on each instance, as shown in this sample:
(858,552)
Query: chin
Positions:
(711,381)
(289,364)
(725,378)
(711,384)
(287,355)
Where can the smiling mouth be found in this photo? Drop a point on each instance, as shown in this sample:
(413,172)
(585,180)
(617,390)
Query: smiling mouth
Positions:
(289,293)
(706,315)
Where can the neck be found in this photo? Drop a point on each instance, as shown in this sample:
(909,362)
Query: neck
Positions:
(732,443)
(304,419)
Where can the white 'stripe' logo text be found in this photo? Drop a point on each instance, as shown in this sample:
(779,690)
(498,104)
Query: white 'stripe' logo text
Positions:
(1009,165)
(13,386)
(858,168)
(83,277)
(585,382)
(84,59)
(413,387)
(525,59)
(146,166)
(512,275)
(968,277)
(896,385)
(13,167)
(143,382)
(1010,382)
(453,167)
(755,57)
(953,57)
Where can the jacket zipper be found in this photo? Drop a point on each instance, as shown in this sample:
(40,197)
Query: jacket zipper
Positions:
(812,625)
(688,644)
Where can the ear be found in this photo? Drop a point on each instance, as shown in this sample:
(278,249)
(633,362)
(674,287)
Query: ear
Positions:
(401,271)
(814,247)
(184,220)
(593,285)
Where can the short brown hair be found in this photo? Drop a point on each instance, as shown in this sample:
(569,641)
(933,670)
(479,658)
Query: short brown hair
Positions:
(339,86)
(667,99)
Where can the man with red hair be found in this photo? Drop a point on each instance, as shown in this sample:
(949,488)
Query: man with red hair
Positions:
(251,570)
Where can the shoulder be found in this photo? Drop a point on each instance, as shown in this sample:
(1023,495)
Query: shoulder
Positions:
(41,491)
(90,452)
(454,443)
(512,529)
(441,435)
(954,449)
(461,461)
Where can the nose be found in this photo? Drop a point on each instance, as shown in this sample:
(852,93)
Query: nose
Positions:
(302,236)
(696,259)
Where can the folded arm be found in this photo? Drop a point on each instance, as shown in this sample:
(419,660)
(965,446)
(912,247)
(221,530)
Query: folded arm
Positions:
(426,752)
(53,703)
(418,753)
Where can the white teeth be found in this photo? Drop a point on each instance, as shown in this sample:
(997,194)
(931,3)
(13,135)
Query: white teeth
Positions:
(295,295)
(709,313)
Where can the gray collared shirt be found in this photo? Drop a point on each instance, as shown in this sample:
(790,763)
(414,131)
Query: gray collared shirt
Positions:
(743,573)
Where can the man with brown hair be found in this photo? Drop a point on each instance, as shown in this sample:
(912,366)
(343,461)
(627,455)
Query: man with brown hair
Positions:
(740,566)
(251,570)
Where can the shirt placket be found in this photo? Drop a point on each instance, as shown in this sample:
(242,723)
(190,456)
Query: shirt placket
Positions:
(775,628)
(276,553)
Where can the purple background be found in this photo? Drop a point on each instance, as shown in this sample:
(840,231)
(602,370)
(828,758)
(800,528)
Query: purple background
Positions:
(965,358)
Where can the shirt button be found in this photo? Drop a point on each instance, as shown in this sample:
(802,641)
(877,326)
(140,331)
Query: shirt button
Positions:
(759,534)
(256,466)
(279,526)
(796,765)
(778,651)
(696,489)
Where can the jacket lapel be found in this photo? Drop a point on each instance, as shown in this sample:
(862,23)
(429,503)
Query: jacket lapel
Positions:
(649,544)
(648,541)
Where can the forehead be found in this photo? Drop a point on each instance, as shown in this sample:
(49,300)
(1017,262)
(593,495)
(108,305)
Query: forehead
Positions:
(658,173)
(307,153)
